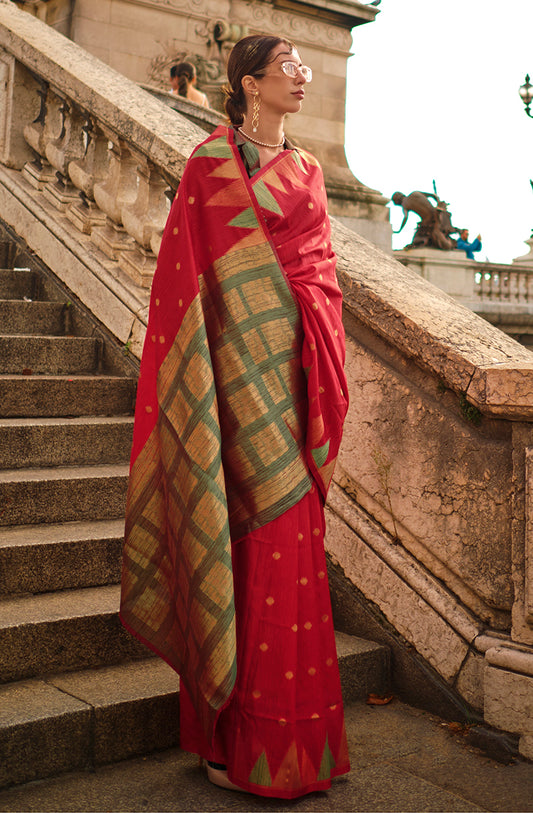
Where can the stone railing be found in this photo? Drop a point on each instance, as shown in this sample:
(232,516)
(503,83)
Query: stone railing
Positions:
(475,284)
(430,513)
(504,284)
(96,157)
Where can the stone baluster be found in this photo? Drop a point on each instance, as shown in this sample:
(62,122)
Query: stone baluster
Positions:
(505,287)
(115,191)
(143,219)
(89,170)
(157,234)
(60,152)
(494,287)
(521,287)
(487,285)
(513,287)
(529,287)
(43,129)
(482,286)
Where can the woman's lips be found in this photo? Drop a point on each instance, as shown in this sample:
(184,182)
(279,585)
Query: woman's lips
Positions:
(299,93)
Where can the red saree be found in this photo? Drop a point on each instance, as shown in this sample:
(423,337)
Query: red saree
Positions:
(240,407)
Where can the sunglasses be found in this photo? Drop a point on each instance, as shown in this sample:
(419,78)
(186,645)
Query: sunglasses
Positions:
(292,69)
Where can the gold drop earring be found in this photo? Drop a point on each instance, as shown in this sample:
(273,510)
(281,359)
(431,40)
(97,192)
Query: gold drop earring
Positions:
(255,112)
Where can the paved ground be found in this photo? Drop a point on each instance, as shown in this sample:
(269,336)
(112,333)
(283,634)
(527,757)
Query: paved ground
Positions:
(403,759)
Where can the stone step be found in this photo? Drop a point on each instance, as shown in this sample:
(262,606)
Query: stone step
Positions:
(31,318)
(79,720)
(38,442)
(63,631)
(33,496)
(64,556)
(54,396)
(17,283)
(52,355)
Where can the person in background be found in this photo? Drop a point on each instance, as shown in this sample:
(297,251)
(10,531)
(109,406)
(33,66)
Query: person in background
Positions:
(469,248)
(183,81)
(239,416)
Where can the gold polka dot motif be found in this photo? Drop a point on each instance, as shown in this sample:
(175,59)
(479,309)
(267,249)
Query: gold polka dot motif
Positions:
(191,200)
(175,230)
(256,694)
(270,601)
(308,625)
(263,647)
(289,675)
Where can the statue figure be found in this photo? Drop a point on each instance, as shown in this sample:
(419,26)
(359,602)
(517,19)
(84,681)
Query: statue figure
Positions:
(468,246)
(435,225)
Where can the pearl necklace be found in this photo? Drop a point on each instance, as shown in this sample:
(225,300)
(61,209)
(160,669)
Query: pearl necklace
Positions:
(261,143)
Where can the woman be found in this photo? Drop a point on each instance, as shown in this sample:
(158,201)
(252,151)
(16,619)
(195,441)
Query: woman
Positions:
(241,402)
(183,81)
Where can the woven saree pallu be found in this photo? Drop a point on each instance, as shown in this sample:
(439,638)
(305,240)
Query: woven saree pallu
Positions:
(219,443)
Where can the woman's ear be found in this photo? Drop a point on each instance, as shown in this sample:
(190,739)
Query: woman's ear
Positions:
(249,85)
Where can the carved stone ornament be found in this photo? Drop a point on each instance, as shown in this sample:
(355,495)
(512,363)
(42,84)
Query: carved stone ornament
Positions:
(261,17)
(209,71)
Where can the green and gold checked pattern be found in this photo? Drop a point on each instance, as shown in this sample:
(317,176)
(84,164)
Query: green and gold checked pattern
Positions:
(255,347)
(226,453)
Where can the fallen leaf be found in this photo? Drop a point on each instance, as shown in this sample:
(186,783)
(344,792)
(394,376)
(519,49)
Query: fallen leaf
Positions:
(379,699)
(27,371)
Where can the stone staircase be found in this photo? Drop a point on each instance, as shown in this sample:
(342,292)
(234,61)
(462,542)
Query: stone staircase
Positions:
(76,689)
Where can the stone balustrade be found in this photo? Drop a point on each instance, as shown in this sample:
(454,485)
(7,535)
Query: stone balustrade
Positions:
(89,143)
(506,285)
(430,513)
(475,284)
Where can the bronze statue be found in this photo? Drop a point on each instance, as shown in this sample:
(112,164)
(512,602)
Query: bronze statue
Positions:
(435,224)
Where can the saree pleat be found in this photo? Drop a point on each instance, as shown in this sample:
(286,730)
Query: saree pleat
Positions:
(282,733)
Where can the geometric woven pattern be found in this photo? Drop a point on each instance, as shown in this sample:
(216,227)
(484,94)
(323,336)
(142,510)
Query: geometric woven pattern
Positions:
(218,441)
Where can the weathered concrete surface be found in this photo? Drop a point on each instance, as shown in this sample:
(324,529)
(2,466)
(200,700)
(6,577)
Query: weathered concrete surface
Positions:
(402,760)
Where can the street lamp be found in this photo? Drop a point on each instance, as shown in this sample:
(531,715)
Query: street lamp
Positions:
(526,94)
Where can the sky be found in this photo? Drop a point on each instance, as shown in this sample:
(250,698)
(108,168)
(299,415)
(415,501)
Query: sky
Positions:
(432,94)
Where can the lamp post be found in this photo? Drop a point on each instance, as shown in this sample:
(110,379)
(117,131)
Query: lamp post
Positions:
(526,94)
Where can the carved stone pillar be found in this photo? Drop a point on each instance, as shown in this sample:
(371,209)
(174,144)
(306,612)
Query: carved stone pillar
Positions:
(118,189)
(84,173)
(60,152)
(146,215)
(39,172)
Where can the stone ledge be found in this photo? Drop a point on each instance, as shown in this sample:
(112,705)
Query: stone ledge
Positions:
(427,325)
